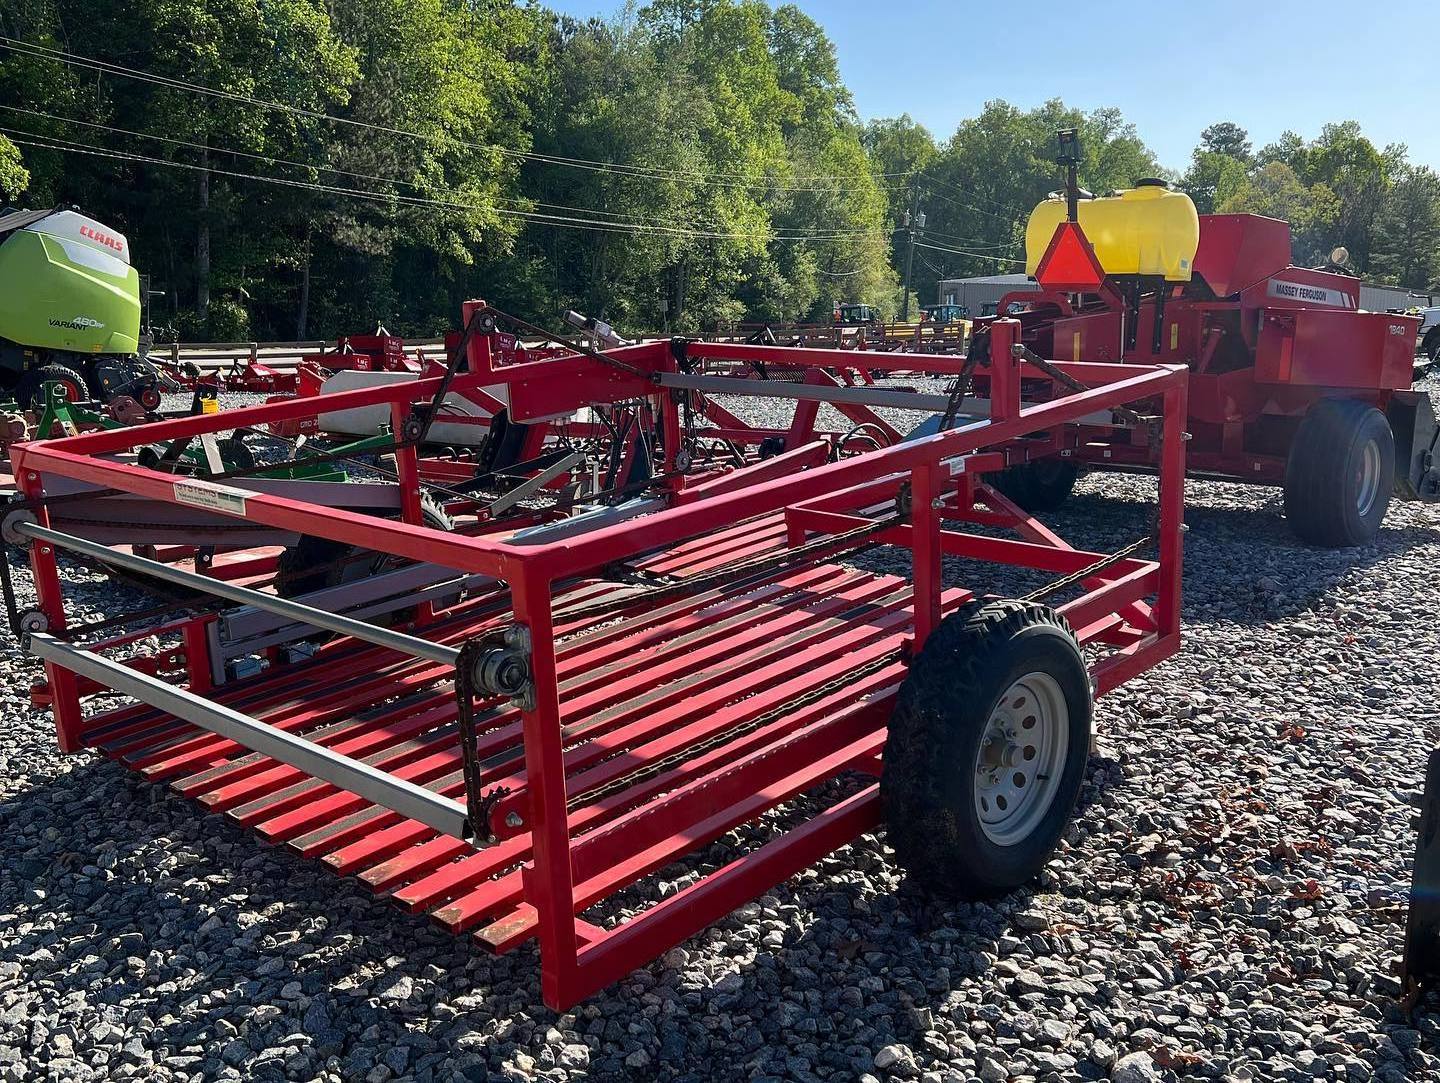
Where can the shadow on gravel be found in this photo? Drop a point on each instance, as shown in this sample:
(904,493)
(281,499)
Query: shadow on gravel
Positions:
(1238,573)
(123,893)
(1242,564)
(178,932)
(115,892)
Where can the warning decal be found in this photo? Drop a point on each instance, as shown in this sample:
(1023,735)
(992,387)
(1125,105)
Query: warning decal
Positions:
(212,497)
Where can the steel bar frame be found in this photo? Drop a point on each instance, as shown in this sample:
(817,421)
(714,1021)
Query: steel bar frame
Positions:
(284,607)
(641,682)
(438,812)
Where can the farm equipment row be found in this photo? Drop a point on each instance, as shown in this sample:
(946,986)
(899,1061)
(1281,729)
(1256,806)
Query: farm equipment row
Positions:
(586,617)
(859,327)
(508,688)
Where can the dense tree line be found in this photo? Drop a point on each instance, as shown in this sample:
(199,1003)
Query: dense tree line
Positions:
(1337,191)
(296,168)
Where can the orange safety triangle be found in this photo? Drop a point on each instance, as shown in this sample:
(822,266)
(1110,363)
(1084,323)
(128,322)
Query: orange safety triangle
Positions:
(1069,264)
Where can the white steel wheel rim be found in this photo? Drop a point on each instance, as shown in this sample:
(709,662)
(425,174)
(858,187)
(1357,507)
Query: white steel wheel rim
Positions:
(1021,758)
(1367,478)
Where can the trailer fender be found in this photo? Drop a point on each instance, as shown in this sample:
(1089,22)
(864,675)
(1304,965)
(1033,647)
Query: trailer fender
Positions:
(1412,420)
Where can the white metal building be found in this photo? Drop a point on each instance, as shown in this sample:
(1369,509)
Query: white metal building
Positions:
(1392,298)
(975,293)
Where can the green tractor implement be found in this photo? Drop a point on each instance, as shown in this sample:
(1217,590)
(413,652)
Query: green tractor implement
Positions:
(70,311)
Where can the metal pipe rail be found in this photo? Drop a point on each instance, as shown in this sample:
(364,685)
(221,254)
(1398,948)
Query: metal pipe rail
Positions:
(868,396)
(432,809)
(284,356)
(296,611)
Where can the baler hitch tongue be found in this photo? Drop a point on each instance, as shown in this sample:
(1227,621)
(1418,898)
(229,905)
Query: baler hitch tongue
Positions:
(1420,966)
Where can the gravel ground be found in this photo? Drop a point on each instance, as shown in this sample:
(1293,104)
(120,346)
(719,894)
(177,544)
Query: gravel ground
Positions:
(1229,903)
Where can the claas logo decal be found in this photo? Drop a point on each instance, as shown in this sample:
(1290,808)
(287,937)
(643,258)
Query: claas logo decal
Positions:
(102,238)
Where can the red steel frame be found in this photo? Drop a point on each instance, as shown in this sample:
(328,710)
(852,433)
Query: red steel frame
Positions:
(558,852)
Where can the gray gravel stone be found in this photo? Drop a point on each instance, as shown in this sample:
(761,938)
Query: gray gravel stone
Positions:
(1228,902)
(1138,1067)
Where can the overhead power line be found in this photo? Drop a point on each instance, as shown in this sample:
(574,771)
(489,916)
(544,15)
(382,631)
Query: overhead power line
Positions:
(972,255)
(970,242)
(73,147)
(1009,218)
(272,160)
(970,193)
(655,172)
(933,269)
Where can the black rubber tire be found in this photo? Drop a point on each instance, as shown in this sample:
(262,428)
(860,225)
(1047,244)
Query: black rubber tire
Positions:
(236,454)
(1430,346)
(1322,473)
(927,787)
(1040,486)
(28,387)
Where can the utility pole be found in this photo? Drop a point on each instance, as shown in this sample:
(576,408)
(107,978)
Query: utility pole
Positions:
(914,221)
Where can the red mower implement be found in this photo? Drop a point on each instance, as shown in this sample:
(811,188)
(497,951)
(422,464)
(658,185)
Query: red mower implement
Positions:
(1291,384)
(571,700)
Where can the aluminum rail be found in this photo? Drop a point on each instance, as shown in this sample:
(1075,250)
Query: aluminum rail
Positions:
(430,808)
(296,611)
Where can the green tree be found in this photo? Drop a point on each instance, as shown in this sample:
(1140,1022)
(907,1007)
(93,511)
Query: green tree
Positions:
(439,123)
(1289,148)
(900,151)
(688,163)
(740,187)
(177,206)
(1213,177)
(837,200)
(1218,166)
(1227,138)
(14,177)
(1407,230)
(1312,210)
(377,216)
(1351,169)
(1350,166)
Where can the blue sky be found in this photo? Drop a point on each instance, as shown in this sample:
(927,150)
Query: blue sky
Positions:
(1172,68)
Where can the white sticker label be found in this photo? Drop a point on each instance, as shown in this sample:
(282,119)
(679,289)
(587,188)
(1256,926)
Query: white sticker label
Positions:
(212,497)
(1316,295)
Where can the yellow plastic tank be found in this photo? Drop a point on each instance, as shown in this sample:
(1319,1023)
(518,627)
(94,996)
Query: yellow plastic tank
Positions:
(1145,230)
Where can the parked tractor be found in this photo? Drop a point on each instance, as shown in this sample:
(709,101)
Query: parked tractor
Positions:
(856,315)
(1430,333)
(1291,383)
(944,314)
